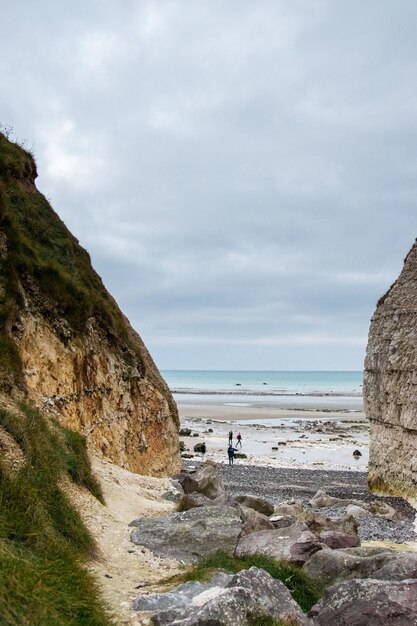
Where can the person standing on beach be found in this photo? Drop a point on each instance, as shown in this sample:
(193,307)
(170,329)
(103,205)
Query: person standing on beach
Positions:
(203,450)
(239,440)
(230,437)
(231,454)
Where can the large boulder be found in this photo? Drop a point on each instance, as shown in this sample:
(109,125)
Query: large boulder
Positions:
(336,540)
(195,499)
(318,523)
(328,567)
(206,481)
(250,597)
(401,567)
(259,504)
(191,534)
(367,602)
(376,507)
(295,543)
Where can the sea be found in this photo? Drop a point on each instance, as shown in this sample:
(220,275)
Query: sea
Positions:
(262,387)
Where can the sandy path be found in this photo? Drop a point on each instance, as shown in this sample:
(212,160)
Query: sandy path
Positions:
(122,567)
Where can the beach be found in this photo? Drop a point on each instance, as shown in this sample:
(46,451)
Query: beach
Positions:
(317,433)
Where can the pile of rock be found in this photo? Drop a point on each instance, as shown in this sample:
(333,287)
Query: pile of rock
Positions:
(360,582)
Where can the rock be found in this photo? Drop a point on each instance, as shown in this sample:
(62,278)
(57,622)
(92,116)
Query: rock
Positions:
(199,447)
(206,481)
(357,512)
(368,602)
(251,595)
(328,567)
(318,523)
(175,493)
(187,456)
(282,521)
(253,521)
(335,539)
(390,386)
(191,534)
(193,500)
(259,504)
(240,455)
(182,446)
(180,596)
(400,567)
(295,543)
(357,453)
(289,508)
(376,507)
(185,432)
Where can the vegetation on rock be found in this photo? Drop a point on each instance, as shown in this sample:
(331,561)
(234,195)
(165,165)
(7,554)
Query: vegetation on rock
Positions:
(43,540)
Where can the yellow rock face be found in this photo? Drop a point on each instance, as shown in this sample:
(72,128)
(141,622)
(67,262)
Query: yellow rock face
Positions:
(126,412)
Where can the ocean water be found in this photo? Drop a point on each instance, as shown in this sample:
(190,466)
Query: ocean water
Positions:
(264,383)
(265,386)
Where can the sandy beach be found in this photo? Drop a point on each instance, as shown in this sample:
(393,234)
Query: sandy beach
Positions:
(310,435)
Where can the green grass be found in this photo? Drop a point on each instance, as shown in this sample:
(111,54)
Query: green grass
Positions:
(43,540)
(303,589)
(46,260)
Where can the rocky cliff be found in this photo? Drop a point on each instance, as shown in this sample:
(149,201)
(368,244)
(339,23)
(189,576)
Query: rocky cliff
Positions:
(64,343)
(390,386)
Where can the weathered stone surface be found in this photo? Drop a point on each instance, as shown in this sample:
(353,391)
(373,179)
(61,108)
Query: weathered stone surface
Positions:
(194,500)
(400,567)
(318,523)
(335,539)
(295,543)
(328,567)
(188,535)
(180,596)
(206,481)
(377,508)
(253,521)
(289,508)
(282,521)
(390,386)
(250,595)
(365,602)
(126,412)
(259,504)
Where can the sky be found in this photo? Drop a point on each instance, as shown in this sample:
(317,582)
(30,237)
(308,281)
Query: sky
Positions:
(243,174)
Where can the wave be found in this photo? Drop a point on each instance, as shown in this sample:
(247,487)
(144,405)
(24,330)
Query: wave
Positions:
(275,394)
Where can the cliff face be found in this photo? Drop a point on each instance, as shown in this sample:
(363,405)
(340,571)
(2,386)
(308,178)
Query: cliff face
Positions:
(390,386)
(64,342)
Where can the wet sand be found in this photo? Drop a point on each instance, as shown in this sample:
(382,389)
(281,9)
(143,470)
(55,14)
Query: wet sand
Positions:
(309,438)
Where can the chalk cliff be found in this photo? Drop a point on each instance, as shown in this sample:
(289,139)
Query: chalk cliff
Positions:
(390,386)
(64,343)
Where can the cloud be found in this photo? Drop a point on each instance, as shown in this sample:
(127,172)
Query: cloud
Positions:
(243,174)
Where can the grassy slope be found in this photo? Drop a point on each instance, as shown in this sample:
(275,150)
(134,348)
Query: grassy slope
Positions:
(43,541)
(47,260)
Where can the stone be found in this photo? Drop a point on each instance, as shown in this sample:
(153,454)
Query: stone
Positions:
(193,500)
(400,567)
(251,596)
(180,596)
(282,521)
(357,453)
(318,523)
(199,447)
(188,535)
(206,481)
(376,507)
(335,539)
(295,543)
(367,602)
(259,504)
(328,567)
(175,493)
(289,508)
(253,521)
(185,432)
(390,378)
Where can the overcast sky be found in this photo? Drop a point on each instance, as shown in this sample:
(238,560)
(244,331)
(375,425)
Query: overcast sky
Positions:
(243,173)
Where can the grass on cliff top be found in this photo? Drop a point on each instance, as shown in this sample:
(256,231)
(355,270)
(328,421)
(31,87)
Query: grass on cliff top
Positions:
(46,259)
(302,588)
(43,540)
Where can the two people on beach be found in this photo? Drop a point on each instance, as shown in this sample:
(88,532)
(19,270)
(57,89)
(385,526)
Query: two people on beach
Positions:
(238,439)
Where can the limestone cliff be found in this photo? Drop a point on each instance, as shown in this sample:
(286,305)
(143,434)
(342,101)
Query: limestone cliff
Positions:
(390,386)
(64,342)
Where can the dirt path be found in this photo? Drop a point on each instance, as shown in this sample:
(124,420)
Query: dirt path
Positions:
(122,567)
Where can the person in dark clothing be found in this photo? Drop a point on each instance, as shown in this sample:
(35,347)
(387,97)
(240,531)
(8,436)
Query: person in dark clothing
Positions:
(230,437)
(239,440)
(203,450)
(231,453)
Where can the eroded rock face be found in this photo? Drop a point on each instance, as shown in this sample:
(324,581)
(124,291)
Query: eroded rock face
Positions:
(390,386)
(127,415)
